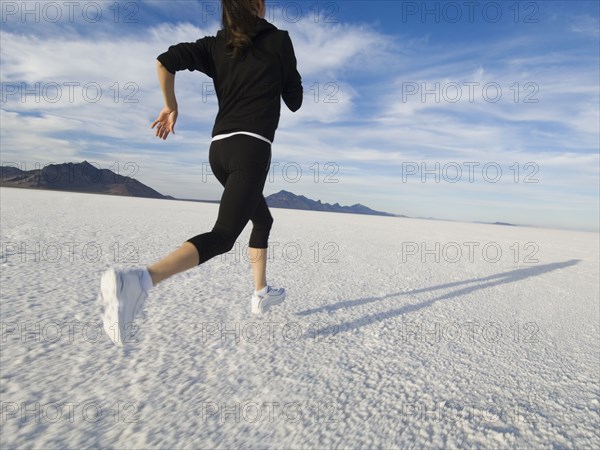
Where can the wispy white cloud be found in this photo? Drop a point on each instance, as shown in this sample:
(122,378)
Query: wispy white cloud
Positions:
(586,25)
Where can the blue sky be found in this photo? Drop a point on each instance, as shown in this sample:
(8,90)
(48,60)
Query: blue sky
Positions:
(399,96)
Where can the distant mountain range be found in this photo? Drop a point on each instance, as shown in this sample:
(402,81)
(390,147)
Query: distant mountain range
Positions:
(76,177)
(288,200)
(84,177)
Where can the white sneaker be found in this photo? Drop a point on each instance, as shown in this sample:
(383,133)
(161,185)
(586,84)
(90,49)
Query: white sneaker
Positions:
(261,304)
(123,298)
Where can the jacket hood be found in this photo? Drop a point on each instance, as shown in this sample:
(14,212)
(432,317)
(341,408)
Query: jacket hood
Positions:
(260,26)
(263,25)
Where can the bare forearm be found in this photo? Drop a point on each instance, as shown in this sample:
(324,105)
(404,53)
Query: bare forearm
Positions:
(167,86)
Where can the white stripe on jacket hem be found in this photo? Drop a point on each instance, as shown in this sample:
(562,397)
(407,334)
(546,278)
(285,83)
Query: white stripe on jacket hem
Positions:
(223,136)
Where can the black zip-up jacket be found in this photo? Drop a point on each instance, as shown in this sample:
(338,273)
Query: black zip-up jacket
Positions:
(249,89)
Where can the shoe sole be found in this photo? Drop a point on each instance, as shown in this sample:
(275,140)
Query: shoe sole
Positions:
(112,325)
(270,302)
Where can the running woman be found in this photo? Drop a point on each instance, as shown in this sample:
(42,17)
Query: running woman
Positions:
(253,66)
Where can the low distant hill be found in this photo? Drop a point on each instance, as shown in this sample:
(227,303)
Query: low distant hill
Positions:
(76,177)
(500,223)
(286,199)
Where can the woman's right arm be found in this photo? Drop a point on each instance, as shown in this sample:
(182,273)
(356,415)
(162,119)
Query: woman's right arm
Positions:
(292,92)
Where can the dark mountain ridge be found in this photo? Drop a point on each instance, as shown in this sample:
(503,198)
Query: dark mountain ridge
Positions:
(289,200)
(76,177)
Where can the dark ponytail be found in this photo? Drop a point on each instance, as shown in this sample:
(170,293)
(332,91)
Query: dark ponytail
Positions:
(238,19)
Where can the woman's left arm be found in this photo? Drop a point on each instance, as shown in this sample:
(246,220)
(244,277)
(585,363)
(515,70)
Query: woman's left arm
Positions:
(168,116)
(185,55)
(167,85)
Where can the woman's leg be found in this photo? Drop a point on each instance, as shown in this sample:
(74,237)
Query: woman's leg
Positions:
(246,160)
(187,255)
(184,258)
(262,222)
(241,166)
(258,259)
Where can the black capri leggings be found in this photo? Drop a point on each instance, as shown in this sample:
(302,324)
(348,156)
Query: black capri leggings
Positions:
(241,164)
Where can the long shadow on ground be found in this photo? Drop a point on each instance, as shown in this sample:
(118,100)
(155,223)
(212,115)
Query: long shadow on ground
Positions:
(483,283)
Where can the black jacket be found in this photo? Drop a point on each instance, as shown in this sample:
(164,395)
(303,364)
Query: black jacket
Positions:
(249,89)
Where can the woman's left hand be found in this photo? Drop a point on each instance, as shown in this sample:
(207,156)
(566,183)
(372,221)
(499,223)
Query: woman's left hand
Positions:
(166,122)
